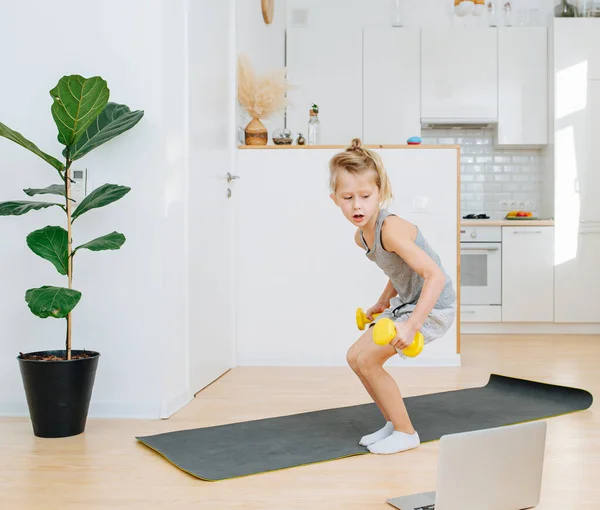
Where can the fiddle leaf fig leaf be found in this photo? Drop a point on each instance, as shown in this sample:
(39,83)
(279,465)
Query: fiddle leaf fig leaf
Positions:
(112,241)
(19,207)
(114,120)
(77,102)
(104,195)
(54,302)
(54,189)
(18,138)
(51,243)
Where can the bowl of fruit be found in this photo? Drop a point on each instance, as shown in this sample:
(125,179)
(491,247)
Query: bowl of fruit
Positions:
(520,215)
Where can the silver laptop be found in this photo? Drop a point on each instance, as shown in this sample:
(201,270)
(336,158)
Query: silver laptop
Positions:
(491,469)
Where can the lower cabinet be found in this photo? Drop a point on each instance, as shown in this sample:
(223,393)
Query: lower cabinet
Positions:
(527,274)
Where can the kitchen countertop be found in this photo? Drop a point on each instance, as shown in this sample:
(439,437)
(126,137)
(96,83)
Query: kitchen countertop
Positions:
(507,223)
(366,146)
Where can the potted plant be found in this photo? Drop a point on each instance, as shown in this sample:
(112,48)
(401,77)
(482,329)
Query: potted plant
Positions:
(58,383)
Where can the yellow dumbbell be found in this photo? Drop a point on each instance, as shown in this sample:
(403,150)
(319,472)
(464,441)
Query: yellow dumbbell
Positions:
(362,319)
(385,331)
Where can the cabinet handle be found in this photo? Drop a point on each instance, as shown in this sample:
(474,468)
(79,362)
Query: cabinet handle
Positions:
(467,312)
(231,177)
(526,232)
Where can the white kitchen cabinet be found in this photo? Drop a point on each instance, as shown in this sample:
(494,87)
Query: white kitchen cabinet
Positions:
(459,74)
(392,74)
(300,275)
(576,175)
(325,67)
(576,43)
(522,86)
(577,280)
(527,274)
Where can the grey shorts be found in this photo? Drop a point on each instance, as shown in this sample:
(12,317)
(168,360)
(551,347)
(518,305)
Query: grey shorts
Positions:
(435,326)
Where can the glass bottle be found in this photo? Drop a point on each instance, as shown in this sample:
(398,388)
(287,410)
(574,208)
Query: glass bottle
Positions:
(491,13)
(314,126)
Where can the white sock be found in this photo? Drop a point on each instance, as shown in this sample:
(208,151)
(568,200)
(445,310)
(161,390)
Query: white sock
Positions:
(396,442)
(382,433)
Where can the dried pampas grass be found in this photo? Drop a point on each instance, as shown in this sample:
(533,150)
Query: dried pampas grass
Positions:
(261,96)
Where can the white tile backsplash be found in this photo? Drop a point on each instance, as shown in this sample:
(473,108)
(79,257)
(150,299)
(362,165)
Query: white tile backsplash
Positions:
(491,175)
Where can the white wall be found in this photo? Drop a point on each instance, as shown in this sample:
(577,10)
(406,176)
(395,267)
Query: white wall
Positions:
(173,271)
(134,304)
(265,46)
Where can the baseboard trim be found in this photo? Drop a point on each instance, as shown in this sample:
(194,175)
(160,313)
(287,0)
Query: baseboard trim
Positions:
(97,410)
(450,360)
(528,328)
(169,407)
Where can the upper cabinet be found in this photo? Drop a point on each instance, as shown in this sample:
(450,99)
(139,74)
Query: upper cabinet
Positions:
(383,83)
(392,85)
(459,74)
(522,86)
(325,68)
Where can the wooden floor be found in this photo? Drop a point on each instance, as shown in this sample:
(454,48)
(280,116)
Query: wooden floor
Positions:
(107,468)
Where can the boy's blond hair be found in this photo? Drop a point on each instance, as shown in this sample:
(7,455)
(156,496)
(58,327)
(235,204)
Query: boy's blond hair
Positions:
(358,160)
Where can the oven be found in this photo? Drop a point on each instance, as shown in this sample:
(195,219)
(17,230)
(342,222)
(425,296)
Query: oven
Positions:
(481,273)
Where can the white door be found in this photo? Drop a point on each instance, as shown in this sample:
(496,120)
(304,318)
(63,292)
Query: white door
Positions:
(210,226)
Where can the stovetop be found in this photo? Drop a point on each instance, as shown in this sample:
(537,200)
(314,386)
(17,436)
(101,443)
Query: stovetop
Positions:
(481,216)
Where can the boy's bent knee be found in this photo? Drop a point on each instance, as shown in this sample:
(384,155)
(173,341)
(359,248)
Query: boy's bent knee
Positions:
(369,361)
(352,358)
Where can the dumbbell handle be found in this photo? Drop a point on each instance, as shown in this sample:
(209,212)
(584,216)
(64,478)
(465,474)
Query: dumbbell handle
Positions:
(385,331)
(362,320)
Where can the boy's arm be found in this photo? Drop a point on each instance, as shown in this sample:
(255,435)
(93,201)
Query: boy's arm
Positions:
(397,237)
(388,293)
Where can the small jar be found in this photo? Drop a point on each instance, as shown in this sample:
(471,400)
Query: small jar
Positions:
(282,137)
(301,140)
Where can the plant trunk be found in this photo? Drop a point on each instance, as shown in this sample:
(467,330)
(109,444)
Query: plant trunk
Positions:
(69,250)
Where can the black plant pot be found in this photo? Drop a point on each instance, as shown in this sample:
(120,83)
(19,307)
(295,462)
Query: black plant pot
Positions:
(58,392)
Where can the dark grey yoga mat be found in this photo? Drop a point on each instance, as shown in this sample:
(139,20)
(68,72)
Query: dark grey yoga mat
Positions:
(239,449)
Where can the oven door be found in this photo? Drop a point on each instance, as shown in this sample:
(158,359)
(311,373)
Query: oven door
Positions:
(481,273)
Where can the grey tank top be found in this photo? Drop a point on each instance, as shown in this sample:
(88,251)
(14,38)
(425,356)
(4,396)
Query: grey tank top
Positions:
(407,282)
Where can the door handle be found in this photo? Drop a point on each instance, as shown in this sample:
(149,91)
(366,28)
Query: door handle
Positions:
(231,177)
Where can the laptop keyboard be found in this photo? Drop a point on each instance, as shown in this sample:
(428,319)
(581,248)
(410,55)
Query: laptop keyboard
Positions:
(426,507)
